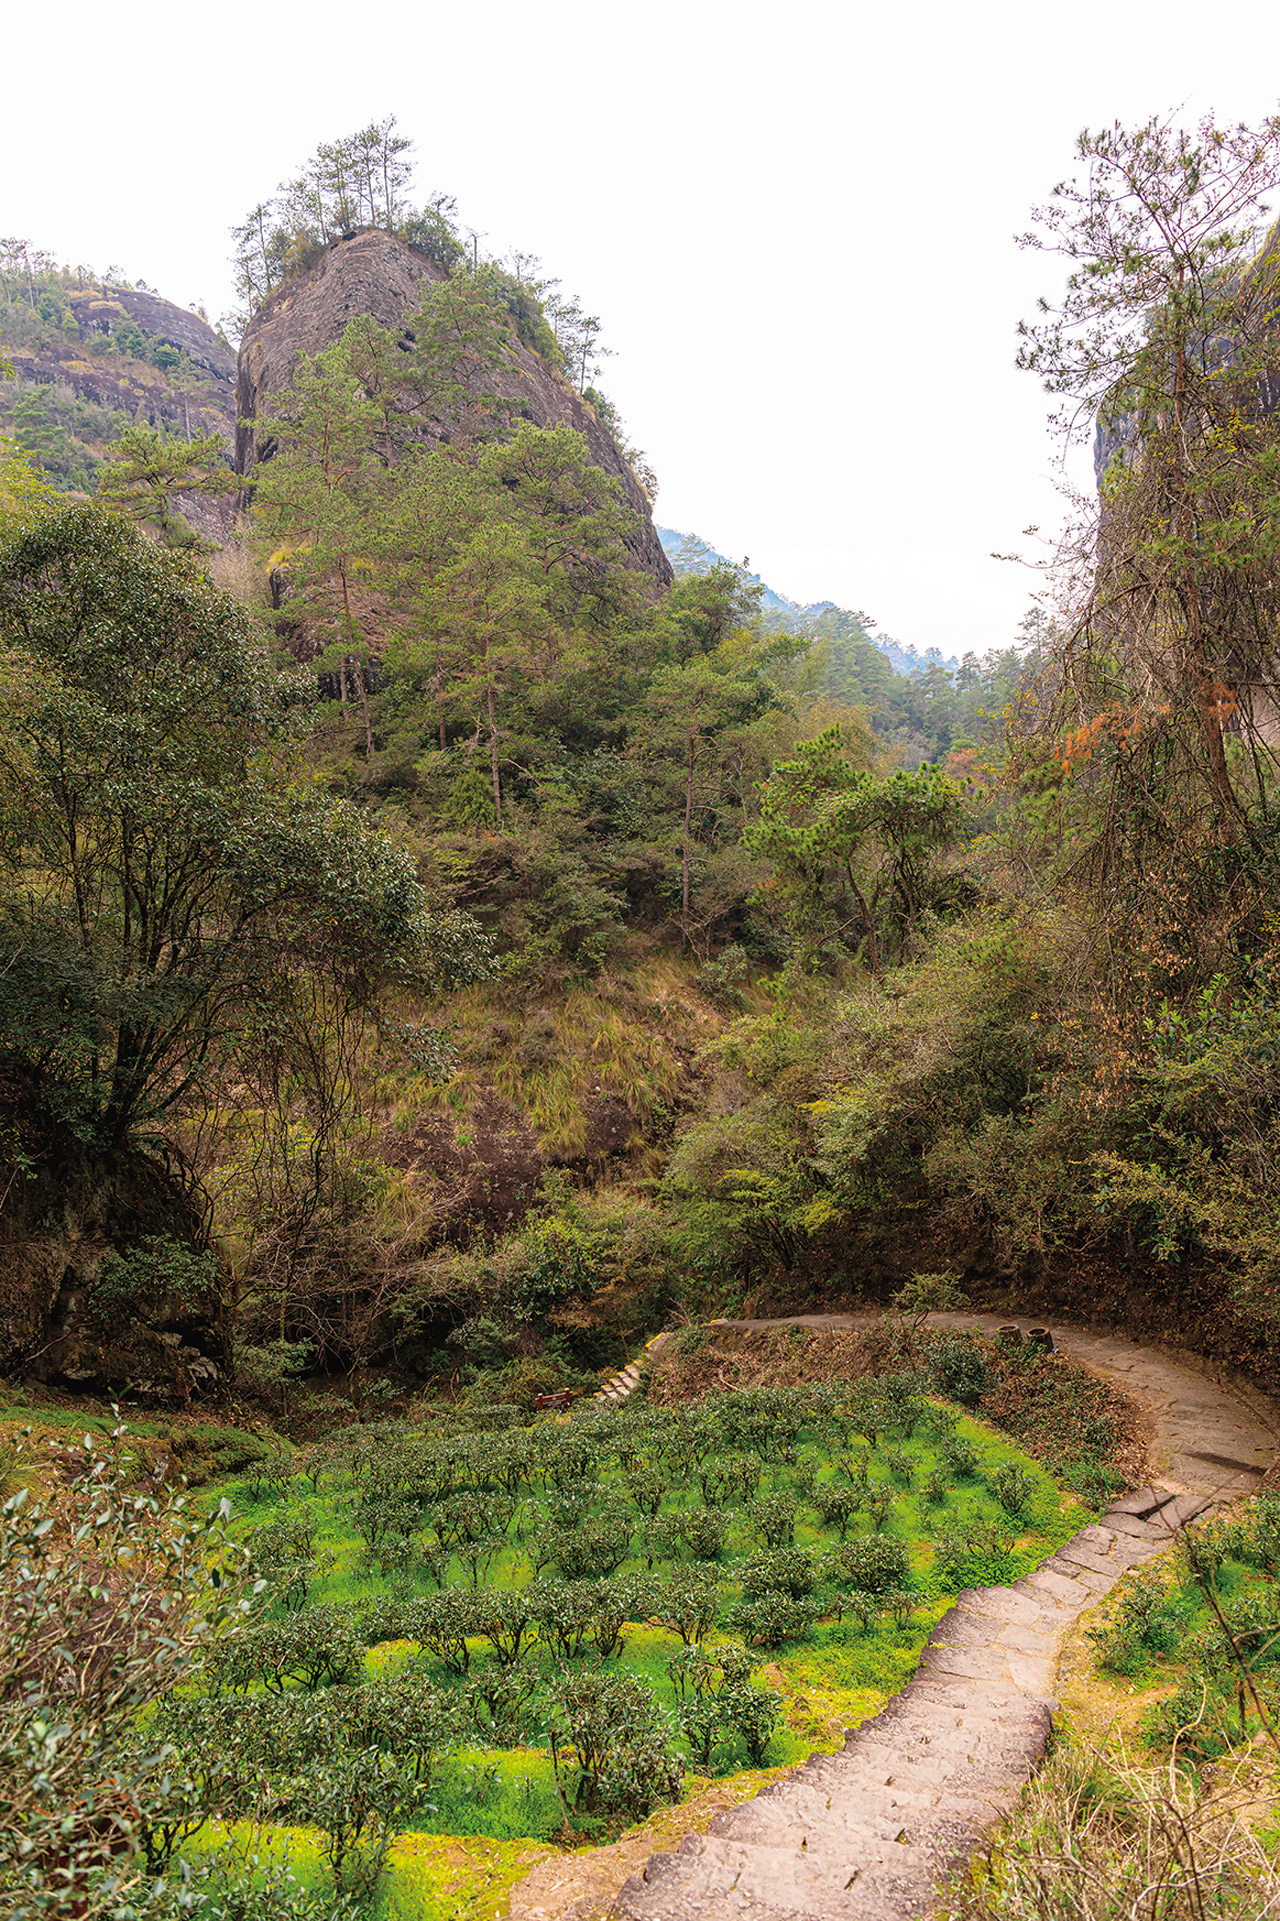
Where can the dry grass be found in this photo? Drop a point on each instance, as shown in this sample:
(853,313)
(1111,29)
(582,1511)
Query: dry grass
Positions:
(233,569)
(623,1037)
(704,1360)
(1097,1838)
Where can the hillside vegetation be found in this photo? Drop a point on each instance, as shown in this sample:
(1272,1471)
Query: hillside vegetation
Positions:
(787,976)
(437,950)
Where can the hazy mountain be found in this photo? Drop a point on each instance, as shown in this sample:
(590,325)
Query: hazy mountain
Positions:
(690,554)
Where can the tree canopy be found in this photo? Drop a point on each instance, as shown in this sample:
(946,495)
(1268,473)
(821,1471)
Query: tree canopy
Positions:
(164,871)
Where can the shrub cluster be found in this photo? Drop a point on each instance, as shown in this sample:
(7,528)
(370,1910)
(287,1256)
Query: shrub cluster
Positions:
(1212,1613)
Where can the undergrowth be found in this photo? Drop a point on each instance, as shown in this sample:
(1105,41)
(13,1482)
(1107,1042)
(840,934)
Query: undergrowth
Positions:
(775,1561)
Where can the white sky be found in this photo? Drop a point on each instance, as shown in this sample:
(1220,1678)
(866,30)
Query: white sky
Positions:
(796,222)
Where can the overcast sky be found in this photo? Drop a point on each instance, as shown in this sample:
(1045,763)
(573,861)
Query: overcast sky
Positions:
(795,221)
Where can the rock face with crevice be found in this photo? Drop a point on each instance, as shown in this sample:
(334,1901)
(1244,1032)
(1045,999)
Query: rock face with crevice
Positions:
(372,272)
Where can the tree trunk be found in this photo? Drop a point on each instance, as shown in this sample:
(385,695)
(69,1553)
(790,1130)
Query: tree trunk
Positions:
(873,946)
(684,852)
(493,756)
(357,669)
(363,692)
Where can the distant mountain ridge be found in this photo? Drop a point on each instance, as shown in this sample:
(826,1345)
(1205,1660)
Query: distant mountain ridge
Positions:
(690,554)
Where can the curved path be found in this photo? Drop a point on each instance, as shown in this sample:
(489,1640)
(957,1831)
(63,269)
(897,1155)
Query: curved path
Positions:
(866,1834)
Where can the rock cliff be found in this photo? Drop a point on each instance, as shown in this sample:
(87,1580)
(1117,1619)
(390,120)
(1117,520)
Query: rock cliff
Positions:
(203,397)
(101,372)
(371,272)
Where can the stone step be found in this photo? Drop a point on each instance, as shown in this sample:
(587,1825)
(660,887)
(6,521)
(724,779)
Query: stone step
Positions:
(1078,1554)
(1130,1530)
(881,1817)
(796,1874)
(662,1894)
(864,1835)
(1142,1503)
(1187,1508)
(1062,1588)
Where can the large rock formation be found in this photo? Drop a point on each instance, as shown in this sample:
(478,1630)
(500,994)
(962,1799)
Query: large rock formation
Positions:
(372,272)
(195,398)
(203,397)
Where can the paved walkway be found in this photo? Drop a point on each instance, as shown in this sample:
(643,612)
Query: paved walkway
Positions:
(866,1834)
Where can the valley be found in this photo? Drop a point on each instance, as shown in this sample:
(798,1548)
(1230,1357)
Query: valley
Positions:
(551,1101)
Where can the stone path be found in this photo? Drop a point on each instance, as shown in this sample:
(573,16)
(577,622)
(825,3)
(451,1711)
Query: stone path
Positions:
(627,1381)
(620,1386)
(866,1834)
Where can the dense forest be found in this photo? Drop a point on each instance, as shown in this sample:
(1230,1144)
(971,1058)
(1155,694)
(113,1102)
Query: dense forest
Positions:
(578,767)
(782,964)
(437,953)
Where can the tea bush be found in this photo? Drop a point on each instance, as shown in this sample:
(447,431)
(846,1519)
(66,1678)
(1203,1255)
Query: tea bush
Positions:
(1144,1616)
(507,1625)
(613,1747)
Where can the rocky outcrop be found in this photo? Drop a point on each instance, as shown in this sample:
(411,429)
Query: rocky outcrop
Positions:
(61,1213)
(203,400)
(195,399)
(371,272)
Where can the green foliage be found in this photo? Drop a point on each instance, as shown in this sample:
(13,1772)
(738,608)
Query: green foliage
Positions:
(143,472)
(315,1648)
(1206,1620)
(234,1886)
(158,1267)
(359,1799)
(205,882)
(51,426)
(838,1506)
(958,1368)
(612,1747)
(700,1531)
(787,1570)
(284,1719)
(686,1603)
(959,1455)
(360,179)
(774,1519)
(873,1564)
(768,1619)
(1164,222)
(107,1598)
(851,851)
(718,1702)
(593,1546)
(1013,1487)
(974,1557)
(282,1553)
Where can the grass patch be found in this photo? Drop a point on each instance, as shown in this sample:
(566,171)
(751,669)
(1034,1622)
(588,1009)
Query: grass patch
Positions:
(833,1526)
